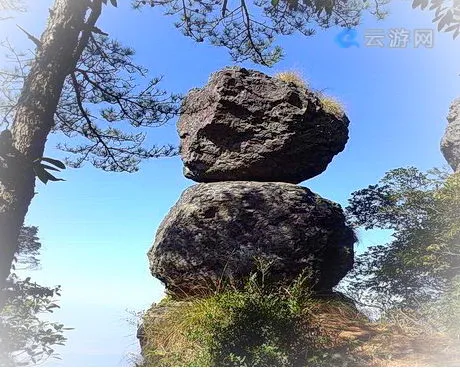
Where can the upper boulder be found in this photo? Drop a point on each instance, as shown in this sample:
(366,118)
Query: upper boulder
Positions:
(450,143)
(245,125)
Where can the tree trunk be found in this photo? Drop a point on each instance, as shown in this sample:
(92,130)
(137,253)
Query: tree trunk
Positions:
(59,49)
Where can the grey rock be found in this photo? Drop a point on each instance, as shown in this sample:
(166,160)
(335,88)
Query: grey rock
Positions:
(216,232)
(450,143)
(245,125)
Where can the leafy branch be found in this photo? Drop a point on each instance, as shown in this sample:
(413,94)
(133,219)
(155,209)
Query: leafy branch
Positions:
(41,169)
(446,14)
(249,28)
(103,108)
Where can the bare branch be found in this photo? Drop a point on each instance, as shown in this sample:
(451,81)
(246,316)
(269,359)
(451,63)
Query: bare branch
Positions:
(34,39)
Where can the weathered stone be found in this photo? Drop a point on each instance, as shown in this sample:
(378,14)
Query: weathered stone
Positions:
(245,125)
(217,231)
(450,143)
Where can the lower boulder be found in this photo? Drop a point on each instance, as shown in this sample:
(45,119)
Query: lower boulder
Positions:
(222,232)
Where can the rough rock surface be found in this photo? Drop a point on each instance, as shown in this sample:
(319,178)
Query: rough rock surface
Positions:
(245,125)
(216,231)
(450,143)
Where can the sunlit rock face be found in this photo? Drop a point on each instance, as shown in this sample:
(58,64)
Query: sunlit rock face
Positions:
(450,143)
(218,232)
(245,125)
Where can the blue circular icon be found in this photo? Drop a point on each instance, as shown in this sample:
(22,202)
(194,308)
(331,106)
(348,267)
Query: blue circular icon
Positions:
(347,38)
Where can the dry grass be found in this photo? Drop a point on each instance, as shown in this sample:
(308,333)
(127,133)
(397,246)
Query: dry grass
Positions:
(401,342)
(292,77)
(392,347)
(330,104)
(165,337)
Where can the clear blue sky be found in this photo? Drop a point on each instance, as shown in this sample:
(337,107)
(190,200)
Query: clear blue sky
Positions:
(96,227)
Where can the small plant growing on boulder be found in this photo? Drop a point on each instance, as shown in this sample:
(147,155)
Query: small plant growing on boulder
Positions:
(330,104)
(292,77)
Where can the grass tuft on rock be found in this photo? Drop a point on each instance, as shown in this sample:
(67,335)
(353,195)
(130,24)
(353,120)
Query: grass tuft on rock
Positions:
(294,77)
(330,104)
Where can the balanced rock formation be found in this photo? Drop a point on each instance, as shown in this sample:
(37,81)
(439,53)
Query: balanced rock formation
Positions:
(250,138)
(218,231)
(450,143)
(245,125)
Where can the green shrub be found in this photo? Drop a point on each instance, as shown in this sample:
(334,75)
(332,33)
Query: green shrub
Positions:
(261,330)
(250,327)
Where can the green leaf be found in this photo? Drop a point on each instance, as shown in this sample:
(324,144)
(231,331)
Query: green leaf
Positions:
(114,3)
(48,167)
(456,33)
(54,162)
(53,178)
(41,173)
(420,3)
(44,175)
(275,2)
(442,23)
